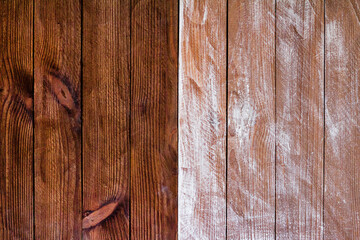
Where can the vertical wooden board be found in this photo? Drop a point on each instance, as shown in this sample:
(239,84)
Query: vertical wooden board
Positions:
(299,119)
(16,119)
(106,98)
(154,44)
(57,56)
(251,120)
(342,120)
(202,120)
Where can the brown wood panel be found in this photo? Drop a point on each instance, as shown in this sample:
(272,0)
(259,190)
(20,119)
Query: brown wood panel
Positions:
(342,120)
(154,44)
(106,98)
(16,119)
(251,120)
(57,56)
(299,119)
(202,120)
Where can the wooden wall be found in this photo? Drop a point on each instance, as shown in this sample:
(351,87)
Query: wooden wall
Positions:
(179,119)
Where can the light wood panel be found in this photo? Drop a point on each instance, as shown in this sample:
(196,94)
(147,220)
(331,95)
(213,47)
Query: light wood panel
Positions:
(57,54)
(106,108)
(342,139)
(202,120)
(16,119)
(299,119)
(251,120)
(154,45)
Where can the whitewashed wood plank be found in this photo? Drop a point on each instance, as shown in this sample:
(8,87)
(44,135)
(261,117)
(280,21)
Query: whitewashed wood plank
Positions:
(342,120)
(299,118)
(251,120)
(202,120)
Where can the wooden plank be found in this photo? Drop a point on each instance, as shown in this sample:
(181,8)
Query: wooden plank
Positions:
(106,98)
(251,120)
(202,120)
(299,119)
(16,119)
(342,108)
(57,119)
(154,44)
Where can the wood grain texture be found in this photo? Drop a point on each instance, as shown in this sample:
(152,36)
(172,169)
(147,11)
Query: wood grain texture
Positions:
(57,119)
(251,120)
(154,119)
(342,119)
(202,120)
(299,119)
(106,107)
(16,119)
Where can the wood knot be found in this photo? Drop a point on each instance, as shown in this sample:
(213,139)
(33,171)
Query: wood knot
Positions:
(94,218)
(62,90)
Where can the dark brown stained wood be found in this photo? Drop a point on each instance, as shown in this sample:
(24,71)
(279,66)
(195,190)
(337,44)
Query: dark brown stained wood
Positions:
(299,119)
(106,98)
(154,46)
(251,120)
(342,108)
(16,119)
(57,56)
(202,120)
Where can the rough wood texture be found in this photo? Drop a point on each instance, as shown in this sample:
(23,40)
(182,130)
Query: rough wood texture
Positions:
(154,119)
(251,120)
(16,119)
(202,120)
(57,119)
(299,119)
(342,91)
(106,98)
(291,124)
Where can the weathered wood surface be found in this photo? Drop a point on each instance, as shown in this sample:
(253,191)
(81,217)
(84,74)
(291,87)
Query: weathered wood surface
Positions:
(16,119)
(299,119)
(57,54)
(202,120)
(251,120)
(154,47)
(106,107)
(268,119)
(342,119)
